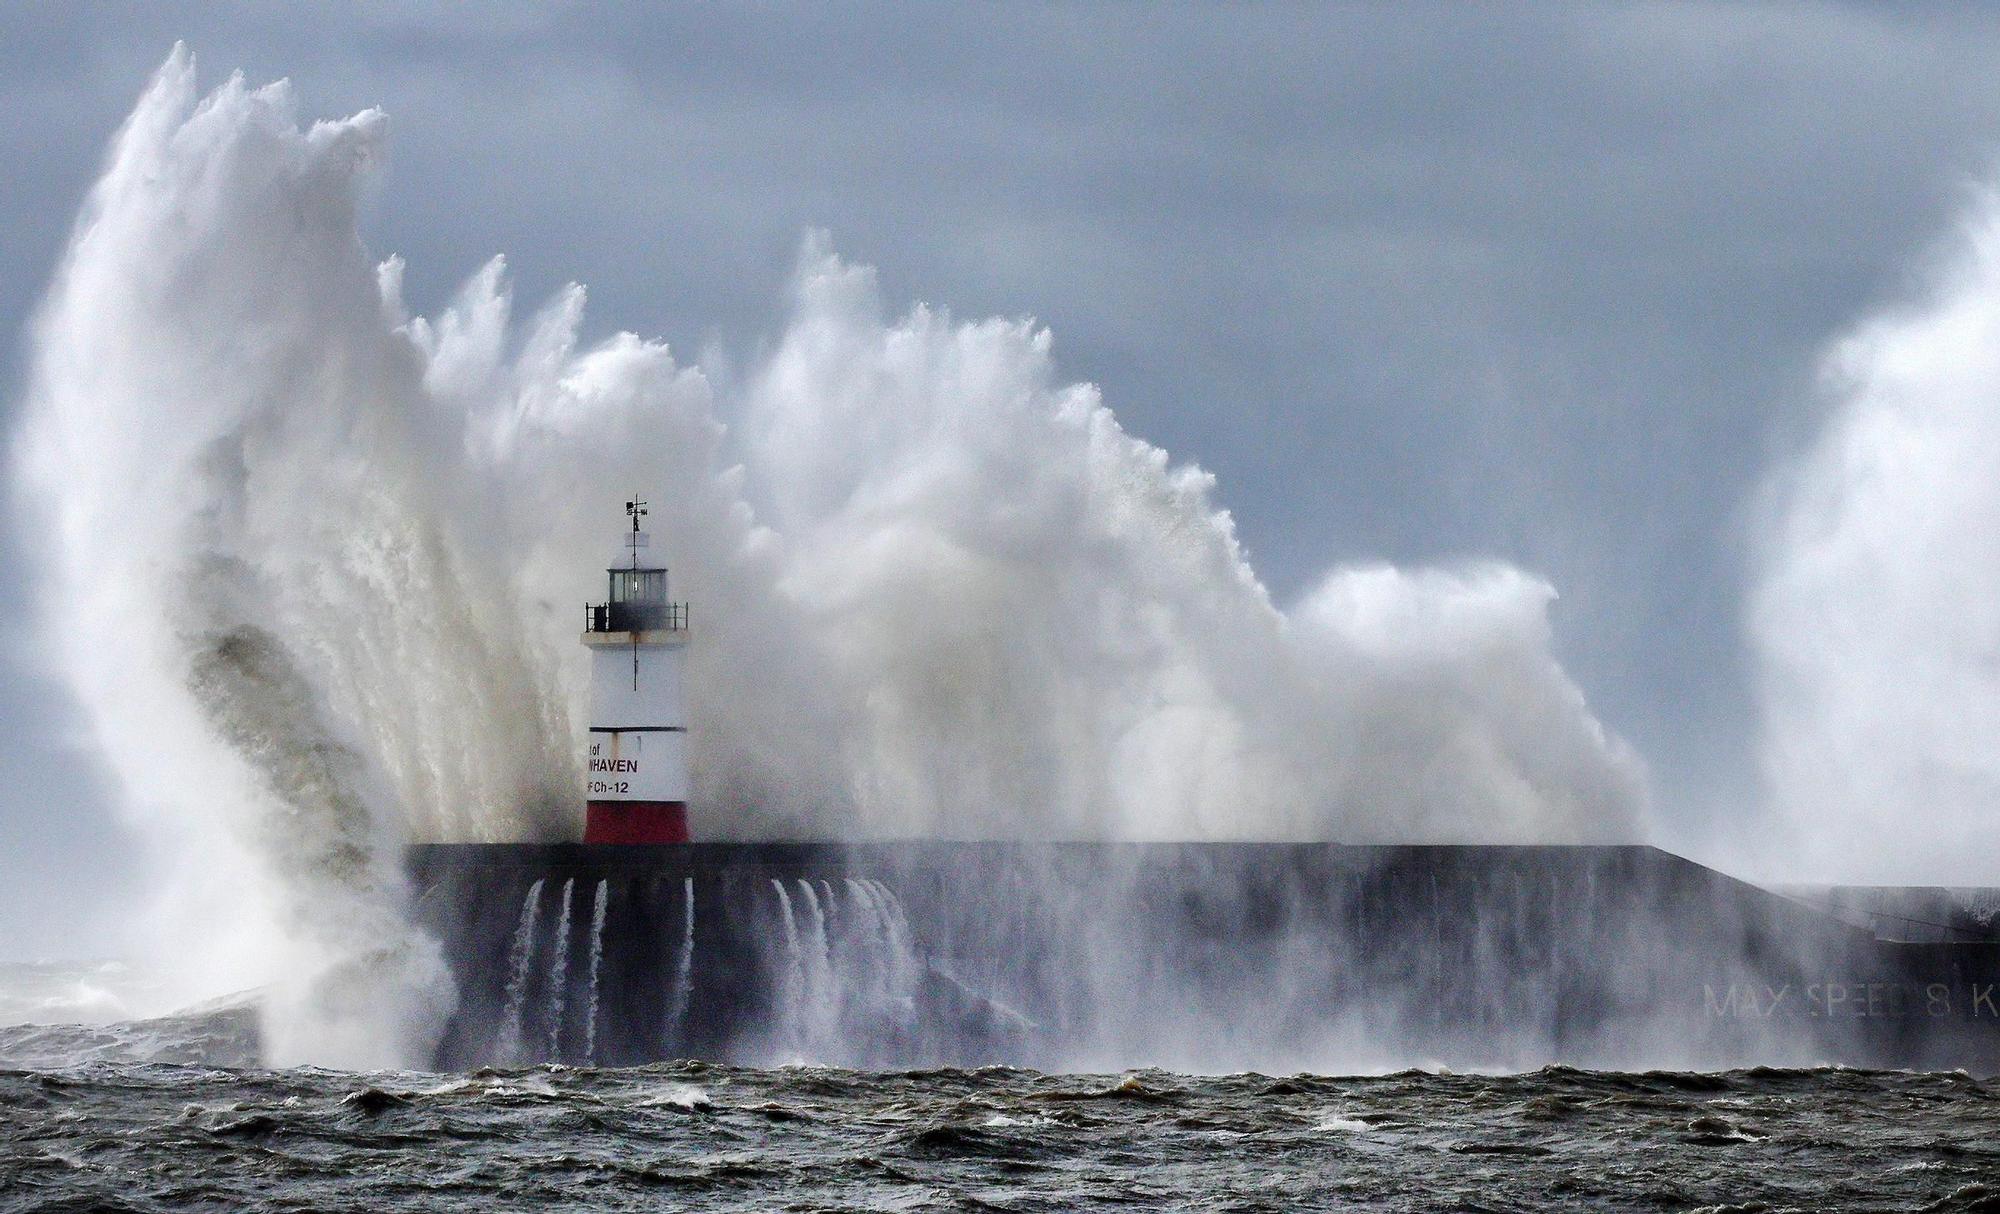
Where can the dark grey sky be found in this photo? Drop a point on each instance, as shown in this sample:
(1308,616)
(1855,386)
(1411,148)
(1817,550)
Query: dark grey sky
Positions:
(1416,283)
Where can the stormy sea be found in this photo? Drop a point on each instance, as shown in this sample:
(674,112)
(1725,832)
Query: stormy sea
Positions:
(941,594)
(174,1113)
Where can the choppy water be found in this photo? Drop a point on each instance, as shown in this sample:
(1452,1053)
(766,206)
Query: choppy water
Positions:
(147,1136)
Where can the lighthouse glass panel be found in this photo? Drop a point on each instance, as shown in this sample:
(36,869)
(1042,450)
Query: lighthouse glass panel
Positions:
(638,585)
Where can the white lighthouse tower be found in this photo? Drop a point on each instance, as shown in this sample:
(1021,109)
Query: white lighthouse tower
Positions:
(636,758)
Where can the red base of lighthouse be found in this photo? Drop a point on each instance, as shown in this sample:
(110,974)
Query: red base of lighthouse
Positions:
(635,822)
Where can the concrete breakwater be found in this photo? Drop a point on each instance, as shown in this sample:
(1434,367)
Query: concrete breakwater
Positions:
(1216,957)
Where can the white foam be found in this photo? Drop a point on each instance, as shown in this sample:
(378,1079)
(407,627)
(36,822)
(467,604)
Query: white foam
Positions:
(677,1095)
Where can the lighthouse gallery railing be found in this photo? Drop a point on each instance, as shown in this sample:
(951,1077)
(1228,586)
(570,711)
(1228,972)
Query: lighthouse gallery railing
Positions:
(635,617)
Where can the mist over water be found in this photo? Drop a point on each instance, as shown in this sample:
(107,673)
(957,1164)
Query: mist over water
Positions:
(1876,614)
(311,564)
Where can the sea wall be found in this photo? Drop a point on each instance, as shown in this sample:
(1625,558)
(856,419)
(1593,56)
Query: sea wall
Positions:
(1270,957)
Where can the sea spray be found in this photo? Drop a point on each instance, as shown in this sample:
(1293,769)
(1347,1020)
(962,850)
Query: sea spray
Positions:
(559,972)
(1036,626)
(945,591)
(1875,610)
(520,962)
(596,965)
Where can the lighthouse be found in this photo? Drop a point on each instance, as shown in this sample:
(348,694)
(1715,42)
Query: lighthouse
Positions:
(635,758)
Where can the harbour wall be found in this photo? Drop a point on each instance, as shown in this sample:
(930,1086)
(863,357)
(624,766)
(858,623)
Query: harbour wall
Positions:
(1232,956)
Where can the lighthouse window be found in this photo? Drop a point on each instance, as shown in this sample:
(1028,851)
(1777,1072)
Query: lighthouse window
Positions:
(639,586)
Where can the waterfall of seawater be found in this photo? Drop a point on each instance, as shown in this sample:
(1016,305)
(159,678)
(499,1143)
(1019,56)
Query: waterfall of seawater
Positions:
(820,1009)
(867,939)
(596,964)
(684,970)
(904,966)
(559,973)
(792,990)
(849,972)
(520,953)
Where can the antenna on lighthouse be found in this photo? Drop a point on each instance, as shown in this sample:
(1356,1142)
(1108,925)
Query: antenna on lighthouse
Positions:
(636,509)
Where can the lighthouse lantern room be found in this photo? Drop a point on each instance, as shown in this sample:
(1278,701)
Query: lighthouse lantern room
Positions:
(636,755)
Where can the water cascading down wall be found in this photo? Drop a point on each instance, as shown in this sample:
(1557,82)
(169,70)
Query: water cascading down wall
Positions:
(1273,957)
